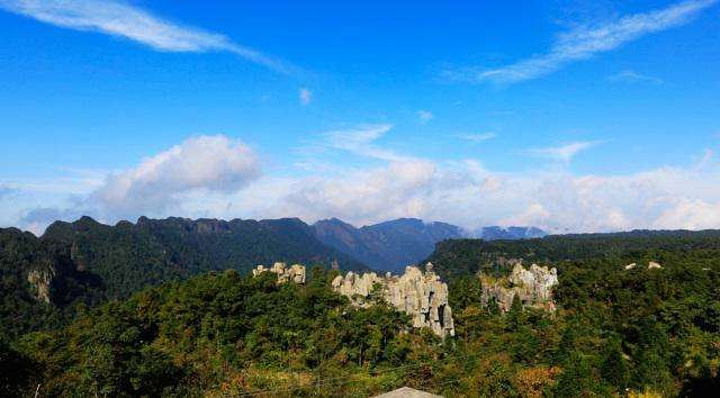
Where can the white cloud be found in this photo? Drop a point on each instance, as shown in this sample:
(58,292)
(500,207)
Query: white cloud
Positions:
(582,43)
(362,195)
(629,76)
(305,96)
(478,138)
(690,214)
(205,177)
(564,153)
(118,19)
(361,141)
(211,163)
(424,116)
(462,193)
(470,196)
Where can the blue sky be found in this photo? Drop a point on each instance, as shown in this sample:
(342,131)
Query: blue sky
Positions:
(569,115)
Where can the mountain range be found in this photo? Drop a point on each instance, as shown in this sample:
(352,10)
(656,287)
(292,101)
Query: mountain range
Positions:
(89,261)
(392,245)
(388,246)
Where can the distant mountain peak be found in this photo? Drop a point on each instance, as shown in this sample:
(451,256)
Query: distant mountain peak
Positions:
(388,246)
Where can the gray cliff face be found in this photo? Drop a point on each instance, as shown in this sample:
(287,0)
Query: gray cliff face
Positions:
(41,281)
(533,287)
(423,296)
(295,273)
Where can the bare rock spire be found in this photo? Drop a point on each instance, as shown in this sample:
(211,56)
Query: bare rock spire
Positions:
(423,296)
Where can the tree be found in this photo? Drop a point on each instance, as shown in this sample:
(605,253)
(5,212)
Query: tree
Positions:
(614,367)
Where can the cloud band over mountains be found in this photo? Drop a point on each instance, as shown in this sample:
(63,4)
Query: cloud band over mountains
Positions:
(216,176)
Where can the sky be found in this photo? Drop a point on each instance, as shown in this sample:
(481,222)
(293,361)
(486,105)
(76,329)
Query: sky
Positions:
(572,116)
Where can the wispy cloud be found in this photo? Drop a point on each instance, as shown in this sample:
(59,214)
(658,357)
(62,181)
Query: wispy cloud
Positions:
(361,141)
(478,138)
(123,20)
(305,96)
(424,116)
(564,153)
(629,76)
(584,42)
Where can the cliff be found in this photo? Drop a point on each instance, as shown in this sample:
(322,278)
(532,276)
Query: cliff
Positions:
(41,282)
(423,296)
(533,287)
(296,272)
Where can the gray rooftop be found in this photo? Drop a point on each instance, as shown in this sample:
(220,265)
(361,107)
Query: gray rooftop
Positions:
(407,392)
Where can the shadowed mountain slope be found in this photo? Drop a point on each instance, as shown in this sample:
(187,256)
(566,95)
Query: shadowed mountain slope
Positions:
(86,261)
(388,246)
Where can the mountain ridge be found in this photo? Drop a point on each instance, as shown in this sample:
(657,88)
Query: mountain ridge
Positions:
(89,262)
(394,244)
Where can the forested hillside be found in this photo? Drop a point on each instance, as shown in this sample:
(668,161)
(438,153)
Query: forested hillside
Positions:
(653,331)
(642,328)
(467,256)
(617,331)
(129,256)
(89,262)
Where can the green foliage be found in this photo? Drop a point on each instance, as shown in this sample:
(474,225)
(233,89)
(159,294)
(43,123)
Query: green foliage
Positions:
(577,379)
(222,334)
(614,367)
(87,262)
(129,256)
(16,371)
(617,328)
(184,338)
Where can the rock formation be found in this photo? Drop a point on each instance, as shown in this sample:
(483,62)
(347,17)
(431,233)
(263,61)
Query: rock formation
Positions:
(651,265)
(533,287)
(41,280)
(296,272)
(423,296)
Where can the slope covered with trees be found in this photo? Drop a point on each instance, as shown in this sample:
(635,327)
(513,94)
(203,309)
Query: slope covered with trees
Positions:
(458,257)
(631,327)
(89,262)
(129,256)
(616,332)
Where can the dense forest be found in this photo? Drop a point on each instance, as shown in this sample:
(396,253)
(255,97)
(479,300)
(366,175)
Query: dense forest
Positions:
(617,331)
(89,262)
(129,256)
(459,257)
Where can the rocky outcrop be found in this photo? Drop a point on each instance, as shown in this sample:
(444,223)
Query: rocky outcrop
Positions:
(533,287)
(651,265)
(295,273)
(423,296)
(41,281)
